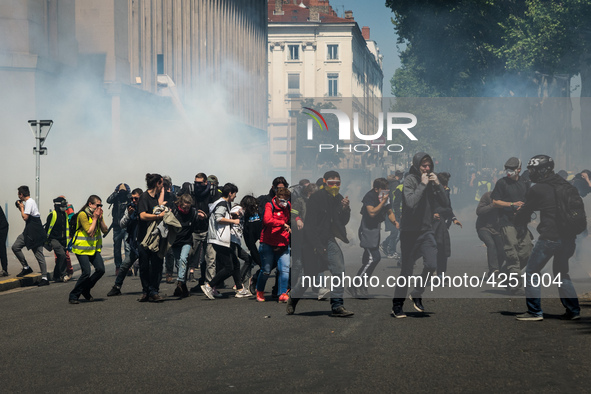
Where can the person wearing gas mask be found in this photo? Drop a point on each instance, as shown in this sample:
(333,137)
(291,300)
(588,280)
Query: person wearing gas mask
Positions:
(421,194)
(120,200)
(274,244)
(58,234)
(262,201)
(200,190)
(327,214)
(129,222)
(376,207)
(509,196)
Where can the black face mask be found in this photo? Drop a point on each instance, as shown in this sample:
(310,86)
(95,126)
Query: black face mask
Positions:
(201,189)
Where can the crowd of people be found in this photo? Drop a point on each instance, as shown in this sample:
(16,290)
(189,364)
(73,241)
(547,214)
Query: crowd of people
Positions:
(202,230)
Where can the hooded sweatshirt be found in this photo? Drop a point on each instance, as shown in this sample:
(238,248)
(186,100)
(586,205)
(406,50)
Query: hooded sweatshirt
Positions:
(418,200)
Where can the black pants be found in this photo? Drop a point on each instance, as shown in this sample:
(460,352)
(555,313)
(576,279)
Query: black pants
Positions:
(150,271)
(414,244)
(87,281)
(3,256)
(227,265)
(369,261)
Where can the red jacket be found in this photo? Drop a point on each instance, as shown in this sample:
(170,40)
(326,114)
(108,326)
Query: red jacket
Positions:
(275,217)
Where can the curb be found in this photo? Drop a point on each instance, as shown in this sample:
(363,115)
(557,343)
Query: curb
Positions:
(33,279)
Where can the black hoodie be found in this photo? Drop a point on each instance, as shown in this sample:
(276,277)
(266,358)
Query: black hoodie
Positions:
(541,197)
(418,200)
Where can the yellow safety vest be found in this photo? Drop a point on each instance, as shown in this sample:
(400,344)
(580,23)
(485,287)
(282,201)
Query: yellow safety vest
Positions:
(481,183)
(52,223)
(85,244)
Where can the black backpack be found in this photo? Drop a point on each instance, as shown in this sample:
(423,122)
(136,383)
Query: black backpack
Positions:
(570,210)
(73,224)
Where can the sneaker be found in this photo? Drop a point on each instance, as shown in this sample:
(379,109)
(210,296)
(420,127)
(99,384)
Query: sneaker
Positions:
(260,296)
(208,291)
(178,292)
(396,256)
(73,301)
(155,298)
(43,282)
(244,293)
(67,277)
(322,293)
(341,312)
(216,293)
(283,298)
(143,298)
(25,271)
(4,273)
(398,313)
(529,317)
(570,316)
(417,303)
(115,291)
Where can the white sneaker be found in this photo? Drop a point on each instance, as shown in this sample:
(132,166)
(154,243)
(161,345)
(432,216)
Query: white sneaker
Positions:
(208,291)
(244,293)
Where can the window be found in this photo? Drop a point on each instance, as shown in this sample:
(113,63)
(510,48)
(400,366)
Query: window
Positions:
(293,82)
(160,64)
(333,52)
(333,85)
(294,52)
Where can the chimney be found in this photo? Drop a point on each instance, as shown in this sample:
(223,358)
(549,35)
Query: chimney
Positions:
(349,15)
(365,32)
(314,15)
(278,7)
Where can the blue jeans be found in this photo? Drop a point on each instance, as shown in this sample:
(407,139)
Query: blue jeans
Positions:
(181,258)
(268,259)
(562,250)
(119,236)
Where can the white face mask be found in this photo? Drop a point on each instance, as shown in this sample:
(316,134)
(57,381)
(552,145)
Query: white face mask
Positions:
(511,173)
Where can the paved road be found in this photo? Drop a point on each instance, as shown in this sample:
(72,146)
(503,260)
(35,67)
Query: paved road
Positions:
(230,345)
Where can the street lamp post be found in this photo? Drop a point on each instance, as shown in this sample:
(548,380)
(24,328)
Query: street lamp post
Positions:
(40,129)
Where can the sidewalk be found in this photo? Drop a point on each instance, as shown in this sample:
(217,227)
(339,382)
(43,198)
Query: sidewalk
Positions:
(14,267)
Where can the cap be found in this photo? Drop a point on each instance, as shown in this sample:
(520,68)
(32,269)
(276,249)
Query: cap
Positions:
(60,201)
(398,173)
(213,179)
(513,163)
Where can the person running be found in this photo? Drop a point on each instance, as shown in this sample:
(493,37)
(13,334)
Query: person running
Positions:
(129,222)
(87,245)
(376,207)
(420,192)
(509,196)
(220,238)
(150,261)
(328,212)
(188,217)
(33,236)
(556,240)
(274,243)
(58,235)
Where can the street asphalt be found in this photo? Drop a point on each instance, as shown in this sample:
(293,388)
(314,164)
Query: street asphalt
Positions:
(116,344)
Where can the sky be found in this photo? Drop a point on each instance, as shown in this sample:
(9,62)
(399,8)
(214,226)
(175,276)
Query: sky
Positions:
(373,13)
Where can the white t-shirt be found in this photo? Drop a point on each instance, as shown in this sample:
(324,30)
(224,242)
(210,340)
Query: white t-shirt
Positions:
(31,208)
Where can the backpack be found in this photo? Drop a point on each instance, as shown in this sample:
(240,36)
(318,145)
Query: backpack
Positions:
(73,224)
(570,210)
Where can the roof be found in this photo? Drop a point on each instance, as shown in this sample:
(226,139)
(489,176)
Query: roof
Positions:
(294,13)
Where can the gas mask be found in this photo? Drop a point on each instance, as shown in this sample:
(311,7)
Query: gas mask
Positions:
(510,173)
(281,202)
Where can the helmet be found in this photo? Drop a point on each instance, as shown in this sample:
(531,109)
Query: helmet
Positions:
(540,167)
